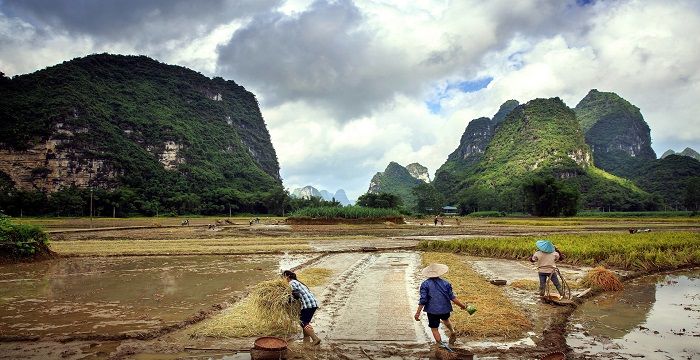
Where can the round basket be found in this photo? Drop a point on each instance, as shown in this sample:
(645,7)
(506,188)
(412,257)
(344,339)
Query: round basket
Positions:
(270,343)
(555,356)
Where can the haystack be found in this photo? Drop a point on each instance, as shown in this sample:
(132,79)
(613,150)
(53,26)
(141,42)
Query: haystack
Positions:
(602,279)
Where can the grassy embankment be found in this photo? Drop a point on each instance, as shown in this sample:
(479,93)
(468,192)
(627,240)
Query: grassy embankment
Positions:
(248,318)
(193,246)
(643,251)
(496,317)
(347,212)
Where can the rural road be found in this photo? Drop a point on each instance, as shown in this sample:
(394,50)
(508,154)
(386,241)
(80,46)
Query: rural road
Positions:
(372,298)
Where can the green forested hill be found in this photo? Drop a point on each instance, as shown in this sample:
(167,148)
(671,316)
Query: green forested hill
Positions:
(396,180)
(670,178)
(539,139)
(164,137)
(616,132)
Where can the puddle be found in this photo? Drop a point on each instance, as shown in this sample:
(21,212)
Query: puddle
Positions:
(122,295)
(655,317)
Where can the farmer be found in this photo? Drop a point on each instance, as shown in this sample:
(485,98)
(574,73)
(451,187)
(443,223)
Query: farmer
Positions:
(545,257)
(309,304)
(435,299)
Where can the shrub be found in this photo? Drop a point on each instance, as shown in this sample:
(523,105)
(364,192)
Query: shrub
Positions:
(21,241)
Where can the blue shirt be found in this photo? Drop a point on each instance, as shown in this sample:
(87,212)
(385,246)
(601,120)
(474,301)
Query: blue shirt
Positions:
(307,299)
(436,295)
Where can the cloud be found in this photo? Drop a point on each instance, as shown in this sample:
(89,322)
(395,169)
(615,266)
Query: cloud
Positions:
(136,21)
(355,59)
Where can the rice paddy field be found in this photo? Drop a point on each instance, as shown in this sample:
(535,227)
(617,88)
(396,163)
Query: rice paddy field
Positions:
(366,277)
(641,251)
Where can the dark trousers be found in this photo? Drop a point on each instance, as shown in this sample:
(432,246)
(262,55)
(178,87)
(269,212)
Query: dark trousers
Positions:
(555,281)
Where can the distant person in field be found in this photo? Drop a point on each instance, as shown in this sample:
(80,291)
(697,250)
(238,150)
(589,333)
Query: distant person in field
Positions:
(309,304)
(436,220)
(436,298)
(546,256)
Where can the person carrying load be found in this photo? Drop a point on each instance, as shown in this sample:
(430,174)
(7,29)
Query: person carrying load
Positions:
(546,256)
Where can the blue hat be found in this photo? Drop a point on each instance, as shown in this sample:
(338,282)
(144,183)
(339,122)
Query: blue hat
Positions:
(545,246)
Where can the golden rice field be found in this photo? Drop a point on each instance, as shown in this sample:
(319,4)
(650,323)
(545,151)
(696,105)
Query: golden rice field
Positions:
(496,317)
(642,251)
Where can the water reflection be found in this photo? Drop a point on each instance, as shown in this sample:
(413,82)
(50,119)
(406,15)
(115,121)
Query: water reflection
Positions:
(112,295)
(657,316)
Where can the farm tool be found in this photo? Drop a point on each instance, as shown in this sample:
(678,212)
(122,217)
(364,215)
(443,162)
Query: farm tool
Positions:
(565,298)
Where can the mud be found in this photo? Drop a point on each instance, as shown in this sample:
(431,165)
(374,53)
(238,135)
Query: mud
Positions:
(116,298)
(655,317)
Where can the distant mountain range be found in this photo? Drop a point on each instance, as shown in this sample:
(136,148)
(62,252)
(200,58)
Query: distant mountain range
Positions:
(309,191)
(602,147)
(687,152)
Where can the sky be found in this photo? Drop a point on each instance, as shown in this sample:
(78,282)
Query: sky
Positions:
(347,86)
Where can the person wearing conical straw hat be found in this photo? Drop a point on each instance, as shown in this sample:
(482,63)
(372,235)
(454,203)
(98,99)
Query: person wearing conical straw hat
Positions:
(436,298)
(546,256)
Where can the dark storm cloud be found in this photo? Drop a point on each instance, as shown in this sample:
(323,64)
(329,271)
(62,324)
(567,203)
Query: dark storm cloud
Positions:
(138,21)
(323,56)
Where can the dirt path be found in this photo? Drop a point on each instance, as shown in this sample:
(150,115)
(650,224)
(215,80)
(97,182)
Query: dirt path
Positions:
(373,301)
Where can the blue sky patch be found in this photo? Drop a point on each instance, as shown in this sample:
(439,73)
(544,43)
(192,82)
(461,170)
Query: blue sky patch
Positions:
(462,86)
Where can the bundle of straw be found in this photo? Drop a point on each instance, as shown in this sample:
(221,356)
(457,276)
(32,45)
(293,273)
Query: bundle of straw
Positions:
(266,311)
(602,279)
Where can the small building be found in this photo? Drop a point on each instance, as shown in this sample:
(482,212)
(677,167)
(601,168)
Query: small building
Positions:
(450,210)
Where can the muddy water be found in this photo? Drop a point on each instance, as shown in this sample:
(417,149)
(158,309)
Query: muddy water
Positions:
(656,317)
(108,296)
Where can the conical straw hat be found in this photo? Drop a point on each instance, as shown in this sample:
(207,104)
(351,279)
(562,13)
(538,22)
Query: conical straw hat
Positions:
(545,246)
(435,270)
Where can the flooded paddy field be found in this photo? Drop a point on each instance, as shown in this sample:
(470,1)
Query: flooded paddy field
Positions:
(108,297)
(96,302)
(654,317)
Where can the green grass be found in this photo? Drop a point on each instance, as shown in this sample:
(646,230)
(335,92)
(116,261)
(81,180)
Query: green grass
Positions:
(483,214)
(647,251)
(632,214)
(347,212)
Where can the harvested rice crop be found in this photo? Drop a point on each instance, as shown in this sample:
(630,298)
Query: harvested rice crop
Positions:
(647,251)
(266,311)
(602,279)
(314,276)
(524,284)
(497,316)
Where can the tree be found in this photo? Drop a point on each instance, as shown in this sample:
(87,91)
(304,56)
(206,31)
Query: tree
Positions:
(380,200)
(692,195)
(549,197)
(428,199)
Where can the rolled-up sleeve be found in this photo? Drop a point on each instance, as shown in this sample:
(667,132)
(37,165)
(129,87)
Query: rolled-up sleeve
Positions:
(423,294)
(450,292)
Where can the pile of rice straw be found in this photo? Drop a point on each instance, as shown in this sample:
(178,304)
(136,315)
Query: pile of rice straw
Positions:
(524,284)
(602,279)
(497,316)
(266,311)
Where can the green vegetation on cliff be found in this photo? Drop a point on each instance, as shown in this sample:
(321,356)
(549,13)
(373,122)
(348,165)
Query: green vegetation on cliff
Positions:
(537,140)
(616,132)
(396,180)
(131,115)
